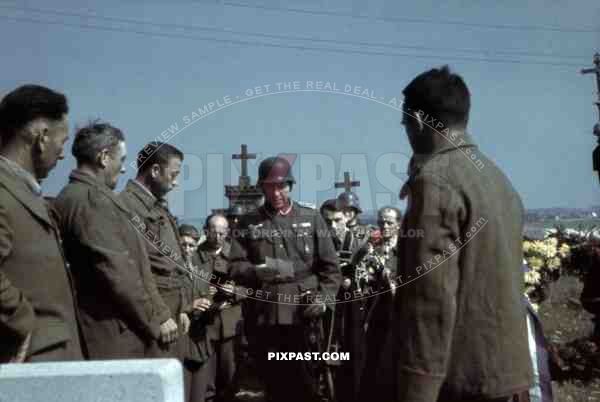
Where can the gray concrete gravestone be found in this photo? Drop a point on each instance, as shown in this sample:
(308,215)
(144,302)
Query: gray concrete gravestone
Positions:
(147,380)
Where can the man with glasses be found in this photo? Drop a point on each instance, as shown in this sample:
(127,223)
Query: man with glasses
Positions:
(226,317)
(198,353)
(189,238)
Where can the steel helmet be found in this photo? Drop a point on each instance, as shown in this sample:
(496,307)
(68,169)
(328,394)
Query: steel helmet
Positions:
(329,205)
(349,200)
(276,170)
(236,210)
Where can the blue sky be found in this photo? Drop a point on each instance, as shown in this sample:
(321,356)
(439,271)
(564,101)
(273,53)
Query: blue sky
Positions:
(145,66)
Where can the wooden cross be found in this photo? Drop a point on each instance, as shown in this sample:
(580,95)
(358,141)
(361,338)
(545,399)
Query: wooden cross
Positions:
(244,156)
(347,184)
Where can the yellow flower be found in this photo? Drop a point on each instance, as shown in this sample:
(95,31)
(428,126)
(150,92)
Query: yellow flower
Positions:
(538,248)
(526,246)
(564,250)
(535,263)
(554,263)
(549,250)
(534,247)
(532,278)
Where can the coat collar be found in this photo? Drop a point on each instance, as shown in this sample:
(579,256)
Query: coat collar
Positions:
(17,187)
(86,178)
(267,211)
(417,161)
(142,193)
(21,173)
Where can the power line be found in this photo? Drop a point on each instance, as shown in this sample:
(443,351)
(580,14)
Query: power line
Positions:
(289,37)
(439,58)
(414,20)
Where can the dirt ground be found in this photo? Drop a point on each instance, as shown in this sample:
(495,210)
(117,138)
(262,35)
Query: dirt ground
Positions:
(568,326)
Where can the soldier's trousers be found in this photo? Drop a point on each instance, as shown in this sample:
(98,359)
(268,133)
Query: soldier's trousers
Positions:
(349,326)
(198,380)
(225,368)
(285,380)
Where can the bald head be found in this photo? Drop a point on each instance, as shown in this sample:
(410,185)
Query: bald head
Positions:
(216,221)
(217,229)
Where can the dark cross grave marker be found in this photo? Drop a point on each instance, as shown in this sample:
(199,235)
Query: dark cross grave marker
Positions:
(347,184)
(244,156)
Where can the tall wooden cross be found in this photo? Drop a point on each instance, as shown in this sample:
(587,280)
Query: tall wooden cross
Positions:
(596,131)
(347,184)
(244,156)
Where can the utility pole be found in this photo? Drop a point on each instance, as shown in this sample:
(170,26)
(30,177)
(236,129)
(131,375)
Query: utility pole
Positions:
(596,131)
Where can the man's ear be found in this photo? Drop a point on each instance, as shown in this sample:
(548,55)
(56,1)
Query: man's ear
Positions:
(103,158)
(155,171)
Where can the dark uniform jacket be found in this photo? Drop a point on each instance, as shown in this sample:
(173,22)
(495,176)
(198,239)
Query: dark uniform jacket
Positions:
(300,249)
(460,325)
(31,259)
(198,344)
(161,237)
(348,324)
(120,308)
(228,320)
(377,378)
(360,232)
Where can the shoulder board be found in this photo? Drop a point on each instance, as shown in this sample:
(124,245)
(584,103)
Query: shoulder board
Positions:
(308,205)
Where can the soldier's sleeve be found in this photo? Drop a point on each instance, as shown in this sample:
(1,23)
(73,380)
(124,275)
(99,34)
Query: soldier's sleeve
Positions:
(326,265)
(161,311)
(17,318)
(427,305)
(242,271)
(98,227)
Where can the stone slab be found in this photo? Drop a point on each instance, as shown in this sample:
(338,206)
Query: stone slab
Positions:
(147,380)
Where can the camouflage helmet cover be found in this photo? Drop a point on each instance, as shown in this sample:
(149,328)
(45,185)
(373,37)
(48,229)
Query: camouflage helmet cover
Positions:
(349,200)
(275,170)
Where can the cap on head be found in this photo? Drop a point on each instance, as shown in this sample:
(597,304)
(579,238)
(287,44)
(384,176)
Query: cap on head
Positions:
(275,170)
(349,200)
(189,230)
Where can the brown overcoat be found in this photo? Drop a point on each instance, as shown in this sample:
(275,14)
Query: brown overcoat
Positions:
(32,260)
(460,326)
(119,304)
(157,229)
